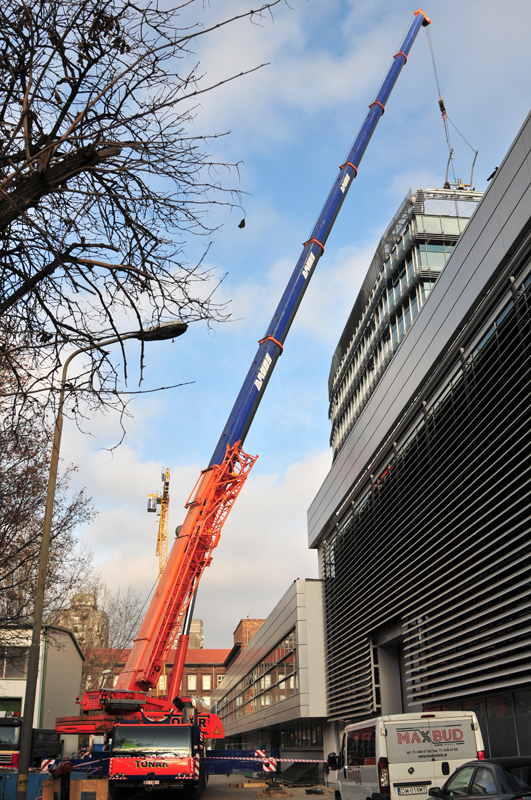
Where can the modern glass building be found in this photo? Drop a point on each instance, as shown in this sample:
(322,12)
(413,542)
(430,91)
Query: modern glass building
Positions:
(409,258)
(273,696)
(423,525)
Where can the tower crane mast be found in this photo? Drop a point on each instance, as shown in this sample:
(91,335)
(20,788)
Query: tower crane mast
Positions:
(160,503)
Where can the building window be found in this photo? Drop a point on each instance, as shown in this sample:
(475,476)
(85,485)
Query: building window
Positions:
(308,735)
(219,679)
(11,705)
(192,683)
(207,683)
(271,681)
(13,662)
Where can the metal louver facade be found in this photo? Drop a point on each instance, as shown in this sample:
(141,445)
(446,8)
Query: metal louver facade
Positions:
(423,524)
(440,539)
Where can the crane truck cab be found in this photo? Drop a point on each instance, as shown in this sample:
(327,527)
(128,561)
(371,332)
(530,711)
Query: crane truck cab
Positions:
(388,757)
(45,744)
(155,756)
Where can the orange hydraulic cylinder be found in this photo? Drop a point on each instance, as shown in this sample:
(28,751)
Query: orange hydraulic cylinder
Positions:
(174,680)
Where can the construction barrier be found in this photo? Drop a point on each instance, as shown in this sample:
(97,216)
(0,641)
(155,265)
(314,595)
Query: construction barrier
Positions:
(42,787)
(98,788)
(268,764)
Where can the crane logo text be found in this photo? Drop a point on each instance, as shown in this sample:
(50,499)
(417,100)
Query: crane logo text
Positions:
(308,265)
(266,363)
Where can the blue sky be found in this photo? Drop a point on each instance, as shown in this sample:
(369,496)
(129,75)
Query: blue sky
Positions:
(291,125)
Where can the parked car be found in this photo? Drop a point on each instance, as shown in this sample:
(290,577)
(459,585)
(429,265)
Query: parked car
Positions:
(496,778)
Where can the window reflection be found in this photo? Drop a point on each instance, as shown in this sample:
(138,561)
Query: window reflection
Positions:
(271,681)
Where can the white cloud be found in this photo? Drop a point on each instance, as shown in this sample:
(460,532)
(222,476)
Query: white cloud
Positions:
(263,545)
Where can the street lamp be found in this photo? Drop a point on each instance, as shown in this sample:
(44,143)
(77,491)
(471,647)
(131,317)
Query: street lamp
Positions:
(154,333)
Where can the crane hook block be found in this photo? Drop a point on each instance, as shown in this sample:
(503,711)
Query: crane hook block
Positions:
(442,106)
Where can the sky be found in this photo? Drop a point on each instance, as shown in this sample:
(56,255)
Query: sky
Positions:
(291,124)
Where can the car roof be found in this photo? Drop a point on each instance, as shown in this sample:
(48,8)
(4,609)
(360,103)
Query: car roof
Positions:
(505,762)
(511,761)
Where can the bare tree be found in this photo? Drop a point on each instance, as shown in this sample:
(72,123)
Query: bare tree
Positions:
(24,462)
(105,623)
(101,180)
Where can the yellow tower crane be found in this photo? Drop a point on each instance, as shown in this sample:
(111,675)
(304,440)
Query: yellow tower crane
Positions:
(159,503)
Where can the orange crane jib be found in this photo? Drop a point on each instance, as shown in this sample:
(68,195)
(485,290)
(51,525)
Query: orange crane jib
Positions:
(207,509)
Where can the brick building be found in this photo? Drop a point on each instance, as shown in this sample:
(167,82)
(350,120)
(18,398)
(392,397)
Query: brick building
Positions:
(203,671)
(245,630)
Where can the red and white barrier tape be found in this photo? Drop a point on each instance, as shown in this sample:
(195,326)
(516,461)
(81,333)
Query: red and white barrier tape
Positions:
(258,758)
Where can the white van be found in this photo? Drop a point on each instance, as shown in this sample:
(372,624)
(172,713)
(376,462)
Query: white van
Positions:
(385,758)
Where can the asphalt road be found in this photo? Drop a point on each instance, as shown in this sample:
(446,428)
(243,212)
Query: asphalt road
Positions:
(218,789)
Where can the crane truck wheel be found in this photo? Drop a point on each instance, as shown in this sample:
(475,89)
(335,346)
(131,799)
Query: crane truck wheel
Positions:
(195,791)
(120,792)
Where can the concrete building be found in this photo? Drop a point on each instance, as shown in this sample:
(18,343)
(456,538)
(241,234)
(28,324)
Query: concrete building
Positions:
(58,680)
(273,695)
(423,522)
(89,624)
(196,634)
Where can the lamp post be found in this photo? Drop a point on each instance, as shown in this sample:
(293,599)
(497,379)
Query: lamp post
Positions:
(166,330)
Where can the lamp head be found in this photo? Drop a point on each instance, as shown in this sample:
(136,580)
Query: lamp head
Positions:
(164,330)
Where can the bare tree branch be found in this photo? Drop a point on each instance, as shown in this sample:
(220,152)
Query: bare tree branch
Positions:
(97,157)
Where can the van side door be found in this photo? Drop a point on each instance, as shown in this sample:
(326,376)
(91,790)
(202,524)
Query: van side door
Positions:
(360,767)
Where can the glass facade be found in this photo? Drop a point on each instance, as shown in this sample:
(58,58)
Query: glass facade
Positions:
(408,262)
(302,734)
(504,719)
(272,680)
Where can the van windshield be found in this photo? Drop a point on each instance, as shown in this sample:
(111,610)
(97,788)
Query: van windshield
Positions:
(162,740)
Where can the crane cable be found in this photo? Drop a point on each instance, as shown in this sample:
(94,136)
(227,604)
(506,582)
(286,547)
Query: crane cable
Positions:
(444,113)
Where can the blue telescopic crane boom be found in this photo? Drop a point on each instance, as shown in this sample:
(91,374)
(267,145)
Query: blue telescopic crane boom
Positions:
(270,347)
(219,485)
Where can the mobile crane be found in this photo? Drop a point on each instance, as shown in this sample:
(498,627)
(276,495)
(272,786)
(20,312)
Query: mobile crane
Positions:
(159,740)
